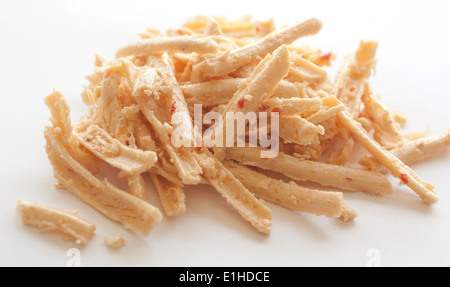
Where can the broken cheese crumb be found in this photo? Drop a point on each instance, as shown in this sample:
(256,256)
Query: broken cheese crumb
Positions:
(116,242)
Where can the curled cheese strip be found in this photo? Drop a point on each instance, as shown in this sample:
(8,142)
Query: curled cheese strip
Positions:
(258,87)
(164,175)
(411,152)
(211,93)
(342,155)
(183,44)
(60,117)
(114,203)
(109,105)
(295,129)
(159,106)
(396,166)
(288,195)
(188,169)
(240,57)
(143,138)
(115,118)
(248,206)
(325,114)
(291,106)
(325,174)
(306,71)
(166,99)
(166,169)
(145,142)
(350,87)
(261,84)
(220,92)
(383,118)
(47,218)
(350,83)
(331,106)
(171,195)
(338,156)
(60,114)
(130,161)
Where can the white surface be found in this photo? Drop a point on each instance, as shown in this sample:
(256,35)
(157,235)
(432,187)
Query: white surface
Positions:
(47,44)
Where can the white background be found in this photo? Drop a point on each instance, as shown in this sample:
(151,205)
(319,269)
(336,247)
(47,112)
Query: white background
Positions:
(51,44)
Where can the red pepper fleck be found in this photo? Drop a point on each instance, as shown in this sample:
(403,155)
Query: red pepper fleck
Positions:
(349,179)
(207,61)
(327,56)
(241,103)
(352,89)
(276,110)
(180,32)
(127,142)
(258,29)
(404,178)
(174,107)
(199,149)
(263,108)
